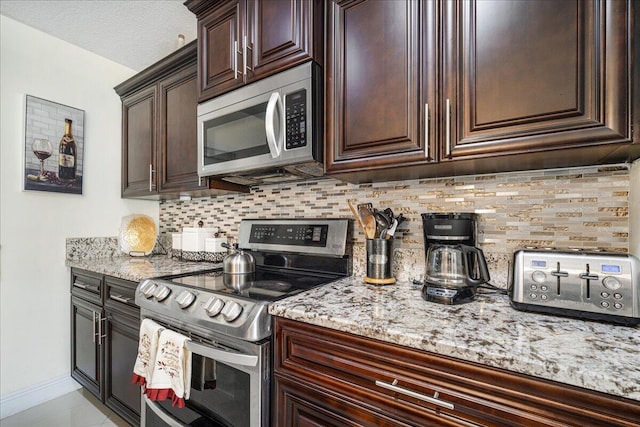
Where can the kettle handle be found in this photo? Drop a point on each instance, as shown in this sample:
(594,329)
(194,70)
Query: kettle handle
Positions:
(482,263)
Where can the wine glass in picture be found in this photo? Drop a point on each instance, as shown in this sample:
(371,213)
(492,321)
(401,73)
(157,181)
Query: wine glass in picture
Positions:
(43,150)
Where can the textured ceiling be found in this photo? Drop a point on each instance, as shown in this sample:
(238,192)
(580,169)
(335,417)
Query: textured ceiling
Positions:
(134,33)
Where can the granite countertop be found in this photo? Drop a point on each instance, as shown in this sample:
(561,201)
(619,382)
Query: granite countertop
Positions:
(593,355)
(140,268)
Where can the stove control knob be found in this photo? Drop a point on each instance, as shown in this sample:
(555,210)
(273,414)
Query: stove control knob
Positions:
(185,299)
(161,293)
(231,311)
(213,307)
(147,288)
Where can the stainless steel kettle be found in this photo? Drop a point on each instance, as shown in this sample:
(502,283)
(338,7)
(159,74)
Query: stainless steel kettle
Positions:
(238,262)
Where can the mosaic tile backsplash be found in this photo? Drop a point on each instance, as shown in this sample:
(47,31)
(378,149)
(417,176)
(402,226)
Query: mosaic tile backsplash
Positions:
(583,207)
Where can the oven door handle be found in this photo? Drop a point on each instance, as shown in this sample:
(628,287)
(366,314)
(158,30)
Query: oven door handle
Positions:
(221,355)
(166,418)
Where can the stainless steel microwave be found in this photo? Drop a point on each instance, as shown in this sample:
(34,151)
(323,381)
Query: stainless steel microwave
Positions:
(264,129)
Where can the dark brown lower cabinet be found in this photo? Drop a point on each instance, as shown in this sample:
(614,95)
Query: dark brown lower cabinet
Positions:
(120,355)
(325,377)
(105,325)
(86,363)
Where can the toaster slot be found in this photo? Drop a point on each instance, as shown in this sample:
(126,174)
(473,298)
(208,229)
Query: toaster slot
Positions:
(558,273)
(587,276)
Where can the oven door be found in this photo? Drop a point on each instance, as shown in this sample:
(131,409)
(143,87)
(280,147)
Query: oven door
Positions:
(228,389)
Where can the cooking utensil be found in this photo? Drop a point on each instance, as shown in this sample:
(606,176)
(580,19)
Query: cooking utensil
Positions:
(370,227)
(365,211)
(357,216)
(391,230)
(382,221)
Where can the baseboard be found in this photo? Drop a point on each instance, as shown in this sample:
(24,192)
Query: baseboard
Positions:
(39,393)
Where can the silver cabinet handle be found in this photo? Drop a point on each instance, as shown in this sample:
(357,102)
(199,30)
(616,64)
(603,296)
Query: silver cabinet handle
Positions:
(120,298)
(99,330)
(80,285)
(426,131)
(244,56)
(448,127)
(235,59)
(151,172)
(401,390)
(93,327)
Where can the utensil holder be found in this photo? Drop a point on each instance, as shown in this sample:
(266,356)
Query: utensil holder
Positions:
(379,256)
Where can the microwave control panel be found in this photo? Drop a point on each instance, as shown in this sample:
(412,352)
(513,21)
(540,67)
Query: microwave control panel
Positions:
(296,119)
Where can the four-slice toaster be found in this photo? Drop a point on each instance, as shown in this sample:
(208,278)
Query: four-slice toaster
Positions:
(590,285)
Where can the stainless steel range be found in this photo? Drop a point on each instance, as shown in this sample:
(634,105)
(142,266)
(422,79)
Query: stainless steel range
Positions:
(226,316)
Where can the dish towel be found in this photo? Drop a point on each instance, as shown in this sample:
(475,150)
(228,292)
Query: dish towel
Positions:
(147,349)
(171,376)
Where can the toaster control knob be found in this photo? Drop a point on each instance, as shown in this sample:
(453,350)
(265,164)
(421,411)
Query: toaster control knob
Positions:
(539,276)
(161,293)
(611,283)
(213,307)
(185,299)
(231,311)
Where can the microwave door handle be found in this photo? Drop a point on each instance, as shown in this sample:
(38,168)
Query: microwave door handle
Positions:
(274,142)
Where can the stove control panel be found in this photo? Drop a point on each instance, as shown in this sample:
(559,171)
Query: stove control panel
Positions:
(322,236)
(590,285)
(240,318)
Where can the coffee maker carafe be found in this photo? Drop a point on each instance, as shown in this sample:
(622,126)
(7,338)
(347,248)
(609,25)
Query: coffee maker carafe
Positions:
(454,266)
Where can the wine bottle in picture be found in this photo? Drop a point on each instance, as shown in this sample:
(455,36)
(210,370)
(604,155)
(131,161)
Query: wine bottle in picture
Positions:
(67,154)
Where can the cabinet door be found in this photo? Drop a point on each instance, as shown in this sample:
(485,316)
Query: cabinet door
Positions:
(177,137)
(220,37)
(138,143)
(86,357)
(533,75)
(121,349)
(373,72)
(282,33)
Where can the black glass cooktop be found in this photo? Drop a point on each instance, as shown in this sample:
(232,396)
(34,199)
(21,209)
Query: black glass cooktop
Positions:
(263,285)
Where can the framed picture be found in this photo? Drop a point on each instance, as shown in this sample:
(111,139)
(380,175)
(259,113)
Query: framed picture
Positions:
(53,147)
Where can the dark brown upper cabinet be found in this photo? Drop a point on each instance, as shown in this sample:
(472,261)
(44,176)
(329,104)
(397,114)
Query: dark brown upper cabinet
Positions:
(375,90)
(241,41)
(159,132)
(444,88)
(527,75)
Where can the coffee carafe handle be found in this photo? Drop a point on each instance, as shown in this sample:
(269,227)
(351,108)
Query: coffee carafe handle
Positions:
(482,264)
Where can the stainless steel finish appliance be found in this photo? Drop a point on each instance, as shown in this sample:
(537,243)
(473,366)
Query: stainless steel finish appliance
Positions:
(454,266)
(571,282)
(267,131)
(226,316)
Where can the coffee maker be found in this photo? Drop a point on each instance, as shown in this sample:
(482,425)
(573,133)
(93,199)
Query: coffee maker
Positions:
(455,267)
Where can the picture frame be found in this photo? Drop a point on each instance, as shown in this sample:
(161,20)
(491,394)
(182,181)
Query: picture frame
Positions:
(53,146)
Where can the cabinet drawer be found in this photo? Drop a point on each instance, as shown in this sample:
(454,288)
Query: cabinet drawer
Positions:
(120,292)
(87,285)
(360,370)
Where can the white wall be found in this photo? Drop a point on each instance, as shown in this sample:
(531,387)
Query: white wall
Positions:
(34,282)
(634,209)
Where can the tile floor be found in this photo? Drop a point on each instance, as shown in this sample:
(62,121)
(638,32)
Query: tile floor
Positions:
(76,409)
